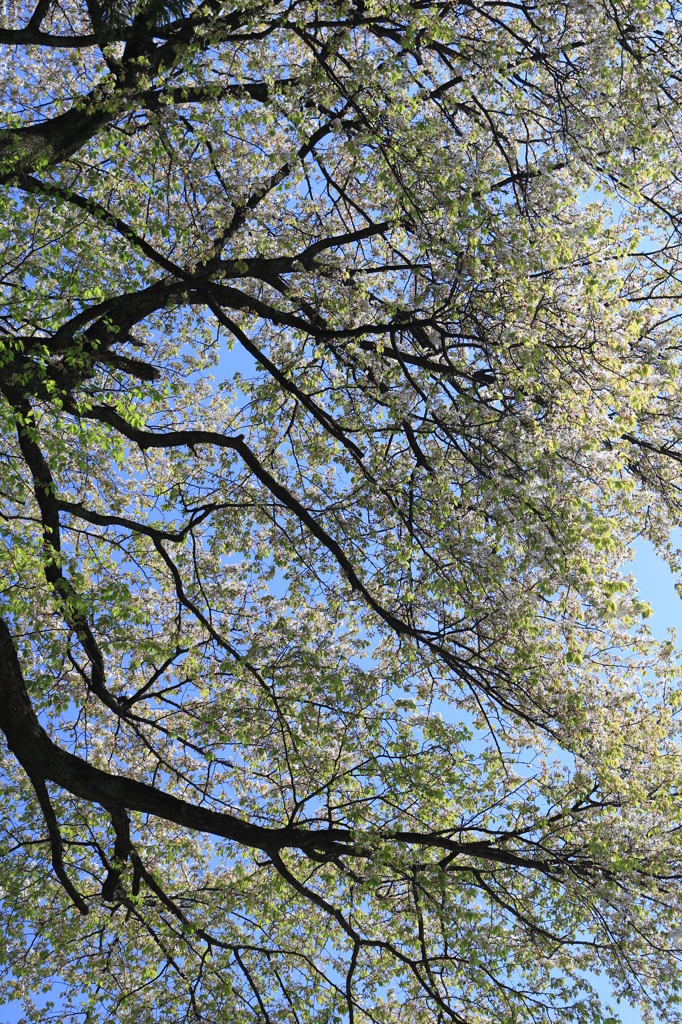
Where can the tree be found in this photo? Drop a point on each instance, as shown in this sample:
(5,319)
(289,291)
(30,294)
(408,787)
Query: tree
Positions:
(325,693)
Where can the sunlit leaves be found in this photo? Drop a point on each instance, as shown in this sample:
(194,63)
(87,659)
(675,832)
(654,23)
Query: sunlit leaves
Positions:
(340,363)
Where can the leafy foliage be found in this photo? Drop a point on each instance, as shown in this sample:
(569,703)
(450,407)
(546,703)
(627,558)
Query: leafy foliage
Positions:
(340,371)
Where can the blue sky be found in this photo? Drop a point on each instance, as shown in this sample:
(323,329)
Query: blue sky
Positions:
(657,586)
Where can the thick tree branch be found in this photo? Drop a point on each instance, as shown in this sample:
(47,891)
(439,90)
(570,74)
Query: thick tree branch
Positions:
(43,759)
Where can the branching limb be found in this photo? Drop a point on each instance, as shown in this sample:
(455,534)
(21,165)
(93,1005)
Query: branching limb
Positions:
(56,842)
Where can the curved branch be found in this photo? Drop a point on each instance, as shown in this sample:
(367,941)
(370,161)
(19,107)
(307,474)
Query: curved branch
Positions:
(42,759)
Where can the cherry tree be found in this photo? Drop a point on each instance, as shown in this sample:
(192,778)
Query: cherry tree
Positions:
(340,365)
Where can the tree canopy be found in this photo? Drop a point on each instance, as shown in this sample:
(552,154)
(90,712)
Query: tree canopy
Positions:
(340,370)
